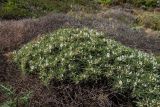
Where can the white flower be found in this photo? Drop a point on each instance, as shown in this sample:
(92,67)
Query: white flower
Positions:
(120,83)
(108,55)
(61,45)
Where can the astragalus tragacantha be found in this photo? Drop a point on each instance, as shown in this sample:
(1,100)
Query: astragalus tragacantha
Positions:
(79,55)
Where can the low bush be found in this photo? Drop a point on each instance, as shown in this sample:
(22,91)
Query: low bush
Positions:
(149,20)
(80,55)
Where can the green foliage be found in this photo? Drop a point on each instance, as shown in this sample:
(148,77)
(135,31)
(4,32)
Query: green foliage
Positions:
(158,59)
(105,1)
(15,9)
(20,8)
(147,3)
(138,3)
(29,8)
(11,9)
(12,99)
(149,20)
(79,55)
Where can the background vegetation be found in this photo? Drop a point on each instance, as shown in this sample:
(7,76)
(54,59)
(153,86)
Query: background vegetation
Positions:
(16,9)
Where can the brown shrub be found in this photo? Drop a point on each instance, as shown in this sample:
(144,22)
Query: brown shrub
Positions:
(14,33)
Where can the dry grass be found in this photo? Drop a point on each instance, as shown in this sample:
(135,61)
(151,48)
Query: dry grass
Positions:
(150,20)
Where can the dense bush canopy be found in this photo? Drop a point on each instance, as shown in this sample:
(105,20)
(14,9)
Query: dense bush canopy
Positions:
(80,55)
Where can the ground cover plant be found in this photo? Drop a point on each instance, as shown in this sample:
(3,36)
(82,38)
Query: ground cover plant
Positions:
(80,55)
(12,100)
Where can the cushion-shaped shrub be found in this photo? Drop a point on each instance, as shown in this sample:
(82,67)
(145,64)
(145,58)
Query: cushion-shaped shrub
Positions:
(79,55)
